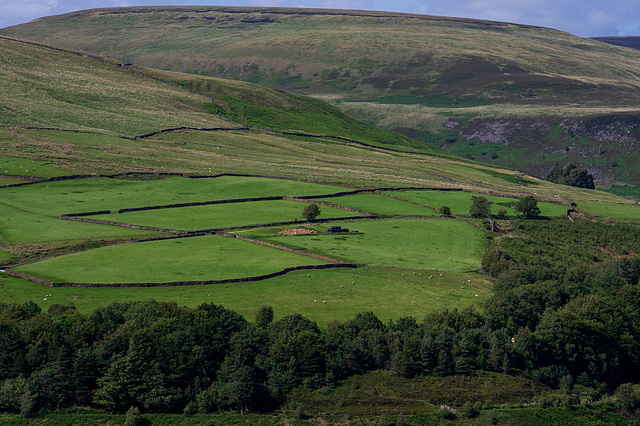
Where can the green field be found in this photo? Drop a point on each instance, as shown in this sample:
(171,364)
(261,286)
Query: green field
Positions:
(459,202)
(483,314)
(347,292)
(30,214)
(20,227)
(93,136)
(381,205)
(82,195)
(612,211)
(185,259)
(250,213)
(91,96)
(432,244)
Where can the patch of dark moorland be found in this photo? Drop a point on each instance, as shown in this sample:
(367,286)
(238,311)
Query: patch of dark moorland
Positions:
(435,100)
(382,392)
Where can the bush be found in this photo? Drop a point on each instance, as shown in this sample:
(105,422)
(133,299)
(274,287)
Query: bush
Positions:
(445,211)
(310,212)
(447,414)
(628,395)
(480,207)
(132,417)
(528,207)
(469,411)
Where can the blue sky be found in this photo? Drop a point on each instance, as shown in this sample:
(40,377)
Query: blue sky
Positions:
(585,18)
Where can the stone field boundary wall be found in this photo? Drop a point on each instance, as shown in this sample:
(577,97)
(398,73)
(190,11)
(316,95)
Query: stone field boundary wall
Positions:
(178,283)
(333,263)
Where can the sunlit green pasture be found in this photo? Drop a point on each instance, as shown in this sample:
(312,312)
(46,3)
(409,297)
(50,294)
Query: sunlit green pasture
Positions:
(429,244)
(23,166)
(612,211)
(18,226)
(30,214)
(83,195)
(204,258)
(385,291)
(251,213)
(380,205)
(460,202)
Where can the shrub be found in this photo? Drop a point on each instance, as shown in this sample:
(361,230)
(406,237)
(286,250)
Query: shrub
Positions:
(132,417)
(480,207)
(528,206)
(468,410)
(310,212)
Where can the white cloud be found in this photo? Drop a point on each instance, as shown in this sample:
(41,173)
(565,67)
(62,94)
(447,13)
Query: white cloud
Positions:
(15,12)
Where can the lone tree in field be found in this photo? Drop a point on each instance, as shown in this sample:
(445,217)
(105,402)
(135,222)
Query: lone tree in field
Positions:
(528,206)
(310,212)
(445,211)
(481,207)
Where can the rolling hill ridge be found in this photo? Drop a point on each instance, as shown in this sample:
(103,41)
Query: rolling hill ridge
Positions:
(513,95)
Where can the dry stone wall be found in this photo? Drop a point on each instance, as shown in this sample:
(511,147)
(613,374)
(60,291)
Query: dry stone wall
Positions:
(179,283)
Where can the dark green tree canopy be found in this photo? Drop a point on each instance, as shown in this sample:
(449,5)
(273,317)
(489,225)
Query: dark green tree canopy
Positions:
(480,207)
(264,316)
(310,212)
(528,206)
(572,176)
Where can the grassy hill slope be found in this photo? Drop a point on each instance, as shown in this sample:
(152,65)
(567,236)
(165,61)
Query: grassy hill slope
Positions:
(514,95)
(65,112)
(48,88)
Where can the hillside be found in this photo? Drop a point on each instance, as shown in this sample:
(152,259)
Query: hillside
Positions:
(69,113)
(625,41)
(157,259)
(513,95)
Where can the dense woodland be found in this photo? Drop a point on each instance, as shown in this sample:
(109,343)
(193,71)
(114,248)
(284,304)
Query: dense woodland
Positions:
(572,176)
(567,293)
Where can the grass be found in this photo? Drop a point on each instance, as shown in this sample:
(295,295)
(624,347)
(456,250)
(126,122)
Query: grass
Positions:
(612,211)
(383,291)
(627,191)
(339,47)
(81,195)
(414,73)
(445,245)
(188,259)
(460,202)
(5,255)
(18,226)
(605,413)
(30,214)
(258,106)
(380,205)
(91,96)
(223,215)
